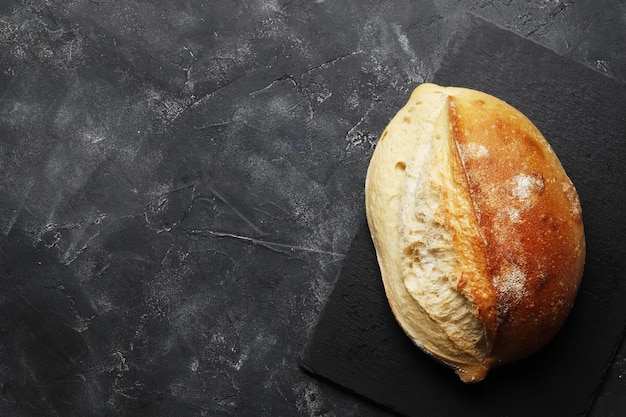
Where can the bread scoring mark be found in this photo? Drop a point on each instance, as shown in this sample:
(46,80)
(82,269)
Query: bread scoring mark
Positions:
(432,223)
(526,186)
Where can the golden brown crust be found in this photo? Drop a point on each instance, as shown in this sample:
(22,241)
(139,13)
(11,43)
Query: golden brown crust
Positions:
(530,216)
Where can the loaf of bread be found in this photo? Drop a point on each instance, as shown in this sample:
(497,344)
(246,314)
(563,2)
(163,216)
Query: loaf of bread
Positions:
(477,228)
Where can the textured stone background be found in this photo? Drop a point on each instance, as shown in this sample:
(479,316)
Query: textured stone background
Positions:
(181,180)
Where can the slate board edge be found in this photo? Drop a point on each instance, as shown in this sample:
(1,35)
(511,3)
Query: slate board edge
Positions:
(468,19)
(605,370)
(310,371)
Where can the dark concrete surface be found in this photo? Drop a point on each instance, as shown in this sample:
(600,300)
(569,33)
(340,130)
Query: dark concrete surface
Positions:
(180,181)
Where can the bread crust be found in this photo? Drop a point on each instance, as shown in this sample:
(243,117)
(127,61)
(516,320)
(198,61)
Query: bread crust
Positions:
(477,228)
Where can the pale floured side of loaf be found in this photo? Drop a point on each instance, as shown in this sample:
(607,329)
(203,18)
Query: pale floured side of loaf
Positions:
(424,230)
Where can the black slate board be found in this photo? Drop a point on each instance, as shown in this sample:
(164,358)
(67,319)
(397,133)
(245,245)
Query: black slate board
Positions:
(357,343)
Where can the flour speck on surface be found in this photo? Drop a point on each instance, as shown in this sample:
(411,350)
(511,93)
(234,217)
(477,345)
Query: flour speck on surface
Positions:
(510,286)
(473,150)
(525,185)
(572,197)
